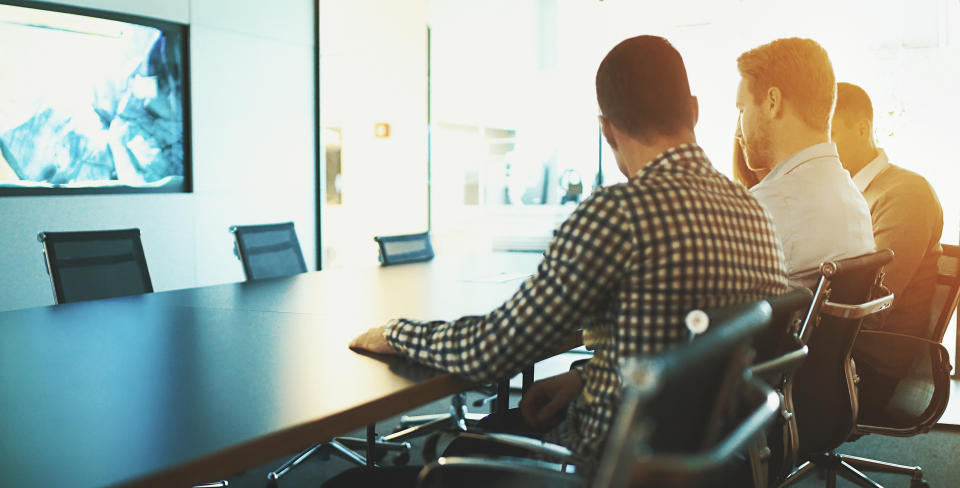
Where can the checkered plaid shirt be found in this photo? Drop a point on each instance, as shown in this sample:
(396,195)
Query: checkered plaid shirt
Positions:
(626,268)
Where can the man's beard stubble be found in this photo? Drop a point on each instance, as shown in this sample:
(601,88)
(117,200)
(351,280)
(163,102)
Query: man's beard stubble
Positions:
(757,151)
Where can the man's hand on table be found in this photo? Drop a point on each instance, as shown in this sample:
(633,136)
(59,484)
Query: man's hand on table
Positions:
(374,341)
(543,405)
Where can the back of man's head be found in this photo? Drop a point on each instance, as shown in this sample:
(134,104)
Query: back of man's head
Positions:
(853,103)
(642,88)
(801,70)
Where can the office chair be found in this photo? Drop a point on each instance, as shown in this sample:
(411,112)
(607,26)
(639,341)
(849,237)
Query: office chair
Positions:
(272,251)
(415,248)
(904,380)
(404,248)
(779,353)
(822,392)
(92,265)
(684,418)
(95,264)
(268,250)
(948,281)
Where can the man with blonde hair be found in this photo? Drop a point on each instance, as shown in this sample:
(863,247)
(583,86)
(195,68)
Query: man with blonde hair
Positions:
(786,99)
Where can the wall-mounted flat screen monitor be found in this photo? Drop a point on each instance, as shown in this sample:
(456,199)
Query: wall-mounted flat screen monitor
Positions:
(91,102)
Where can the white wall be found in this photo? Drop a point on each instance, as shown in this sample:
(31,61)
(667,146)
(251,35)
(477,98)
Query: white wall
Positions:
(253,153)
(374,69)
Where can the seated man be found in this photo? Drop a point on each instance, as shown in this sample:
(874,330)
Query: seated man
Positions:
(626,267)
(786,97)
(907,216)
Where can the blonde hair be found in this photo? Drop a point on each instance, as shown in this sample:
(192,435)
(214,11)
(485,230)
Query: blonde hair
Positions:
(802,71)
(741,172)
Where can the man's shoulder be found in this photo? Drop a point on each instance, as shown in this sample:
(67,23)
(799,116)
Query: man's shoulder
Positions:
(898,182)
(895,175)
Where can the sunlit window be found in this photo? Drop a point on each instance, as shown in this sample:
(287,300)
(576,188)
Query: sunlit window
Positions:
(514,136)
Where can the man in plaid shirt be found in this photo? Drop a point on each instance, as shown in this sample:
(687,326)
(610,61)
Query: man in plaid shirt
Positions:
(625,268)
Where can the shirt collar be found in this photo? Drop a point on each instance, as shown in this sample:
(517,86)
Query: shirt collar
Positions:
(866,175)
(822,150)
(684,154)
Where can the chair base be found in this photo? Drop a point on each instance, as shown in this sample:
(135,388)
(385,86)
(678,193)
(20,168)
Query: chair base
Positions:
(849,468)
(215,484)
(417,425)
(346,447)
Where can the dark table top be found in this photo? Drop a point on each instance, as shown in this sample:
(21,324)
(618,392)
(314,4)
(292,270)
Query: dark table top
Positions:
(182,387)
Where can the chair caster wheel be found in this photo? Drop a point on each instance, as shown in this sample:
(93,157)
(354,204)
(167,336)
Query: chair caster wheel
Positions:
(919,484)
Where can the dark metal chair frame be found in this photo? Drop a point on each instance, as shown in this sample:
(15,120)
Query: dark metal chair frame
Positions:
(822,393)
(652,442)
(245,253)
(420,248)
(871,419)
(55,263)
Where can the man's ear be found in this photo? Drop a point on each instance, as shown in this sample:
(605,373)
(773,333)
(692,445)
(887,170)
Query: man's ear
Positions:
(695,108)
(608,133)
(773,102)
(864,129)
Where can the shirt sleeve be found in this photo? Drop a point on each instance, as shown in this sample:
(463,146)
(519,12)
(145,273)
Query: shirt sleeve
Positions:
(585,260)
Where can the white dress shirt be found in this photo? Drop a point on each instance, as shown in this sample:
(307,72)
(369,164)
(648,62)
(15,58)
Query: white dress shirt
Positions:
(868,173)
(819,213)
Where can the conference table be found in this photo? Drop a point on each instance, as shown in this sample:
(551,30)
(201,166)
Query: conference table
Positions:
(188,386)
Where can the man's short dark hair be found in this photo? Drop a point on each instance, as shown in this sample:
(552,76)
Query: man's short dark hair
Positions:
(642,88)
(853,103)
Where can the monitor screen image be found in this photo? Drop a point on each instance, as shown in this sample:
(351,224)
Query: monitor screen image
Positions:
(91,102)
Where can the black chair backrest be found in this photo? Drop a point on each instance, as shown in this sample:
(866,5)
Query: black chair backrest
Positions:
(781,337)
(95,264)
(946,294)
(677,406)
(268,250)
(405,248)
(823,390)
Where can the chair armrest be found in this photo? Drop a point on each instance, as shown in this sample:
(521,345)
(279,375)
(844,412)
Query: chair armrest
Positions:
(857,311)
(780,365)
(513,471)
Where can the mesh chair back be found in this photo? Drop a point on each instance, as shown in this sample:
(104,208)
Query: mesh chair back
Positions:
(789,310)
(406,248)
(823,390)
(268,250)
(677,406)
(946,294)
(95,264)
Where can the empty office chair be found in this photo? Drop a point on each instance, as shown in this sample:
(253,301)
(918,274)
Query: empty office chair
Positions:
(822,393)
(415,248)
(95,264)
(268,250)
(904,380)
(272,251)
(685,416)
(92,265)
(405,248)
